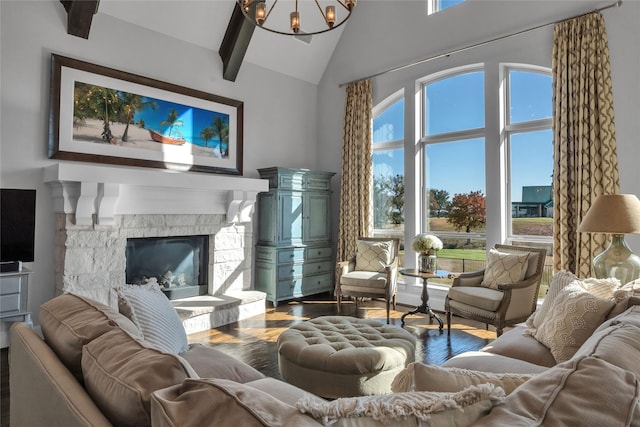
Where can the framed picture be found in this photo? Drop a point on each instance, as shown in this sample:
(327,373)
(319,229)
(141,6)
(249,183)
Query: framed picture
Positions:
(104,115)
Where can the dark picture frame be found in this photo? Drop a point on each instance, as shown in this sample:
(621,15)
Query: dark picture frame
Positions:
(103,115)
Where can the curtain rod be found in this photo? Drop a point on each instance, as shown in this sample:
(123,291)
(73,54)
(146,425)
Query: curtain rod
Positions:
(473,46)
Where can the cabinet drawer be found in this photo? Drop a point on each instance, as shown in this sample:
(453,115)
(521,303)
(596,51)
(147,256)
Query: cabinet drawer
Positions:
(9,303)
(11,285)
(295,270)
(316,253)
(317,283)
(291,255)
(317,267)
(303,254)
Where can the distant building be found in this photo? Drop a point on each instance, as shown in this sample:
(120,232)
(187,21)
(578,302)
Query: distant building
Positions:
(537,202)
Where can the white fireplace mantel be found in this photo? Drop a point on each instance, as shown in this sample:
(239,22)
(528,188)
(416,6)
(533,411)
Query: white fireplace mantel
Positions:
(105,191)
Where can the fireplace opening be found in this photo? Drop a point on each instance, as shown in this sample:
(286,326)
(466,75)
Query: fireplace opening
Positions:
(178,264)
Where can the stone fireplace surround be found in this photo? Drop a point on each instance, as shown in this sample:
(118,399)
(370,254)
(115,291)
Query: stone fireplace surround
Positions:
(99,207)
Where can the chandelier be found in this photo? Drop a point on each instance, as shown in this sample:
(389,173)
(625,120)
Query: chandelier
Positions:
(304,17)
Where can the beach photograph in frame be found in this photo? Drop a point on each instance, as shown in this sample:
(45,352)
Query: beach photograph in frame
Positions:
(103,115)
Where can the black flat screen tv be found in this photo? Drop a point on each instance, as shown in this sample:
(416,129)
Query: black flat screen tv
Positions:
(17,224)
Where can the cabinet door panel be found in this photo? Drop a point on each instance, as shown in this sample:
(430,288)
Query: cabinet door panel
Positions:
(267,218)
(317,211)
(292,219)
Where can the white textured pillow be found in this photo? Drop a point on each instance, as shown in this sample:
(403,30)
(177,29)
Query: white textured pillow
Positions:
(503,267)
(602,288)
(572,319)
(372,255)
(462,408)
(152,312)
(422,377)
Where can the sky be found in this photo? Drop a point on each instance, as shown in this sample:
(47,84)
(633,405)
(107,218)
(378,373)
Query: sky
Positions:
(458,104)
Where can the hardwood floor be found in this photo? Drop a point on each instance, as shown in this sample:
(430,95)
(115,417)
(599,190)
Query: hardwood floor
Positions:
(254,340)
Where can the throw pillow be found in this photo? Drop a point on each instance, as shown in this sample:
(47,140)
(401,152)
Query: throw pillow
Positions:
(602,288)
(585,392)
(421,377)
(152,312)
(574,316)
(70,321)
(503,267)
(215,402)
(120,373)
(462,408)
(373,256)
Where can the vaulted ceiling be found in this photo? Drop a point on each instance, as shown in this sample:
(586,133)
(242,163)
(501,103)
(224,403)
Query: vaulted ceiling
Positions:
(204,23)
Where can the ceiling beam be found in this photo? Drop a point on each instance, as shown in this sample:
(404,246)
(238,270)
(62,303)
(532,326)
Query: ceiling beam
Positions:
(79,16)
(235,43)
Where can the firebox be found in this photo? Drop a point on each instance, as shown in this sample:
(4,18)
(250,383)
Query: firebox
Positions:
(179,264)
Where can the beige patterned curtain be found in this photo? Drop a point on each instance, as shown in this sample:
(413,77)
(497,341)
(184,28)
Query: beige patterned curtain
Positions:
(585,159)
(355,183)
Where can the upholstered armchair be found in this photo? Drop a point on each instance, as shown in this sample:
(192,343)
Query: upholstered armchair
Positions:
(372,273)
(504,293)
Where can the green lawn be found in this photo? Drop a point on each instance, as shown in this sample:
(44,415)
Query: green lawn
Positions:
(472,254)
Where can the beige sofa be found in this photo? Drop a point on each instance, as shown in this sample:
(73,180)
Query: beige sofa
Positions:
(94,369)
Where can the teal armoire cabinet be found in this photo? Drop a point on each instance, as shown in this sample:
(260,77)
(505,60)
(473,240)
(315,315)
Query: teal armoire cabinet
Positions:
(294,253)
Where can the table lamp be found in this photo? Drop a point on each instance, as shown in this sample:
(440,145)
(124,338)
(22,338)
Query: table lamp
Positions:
(615,214)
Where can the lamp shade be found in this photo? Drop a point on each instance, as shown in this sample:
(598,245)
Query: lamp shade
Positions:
(613,214)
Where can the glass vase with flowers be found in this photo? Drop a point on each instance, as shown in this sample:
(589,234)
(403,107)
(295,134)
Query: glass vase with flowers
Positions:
(427,245)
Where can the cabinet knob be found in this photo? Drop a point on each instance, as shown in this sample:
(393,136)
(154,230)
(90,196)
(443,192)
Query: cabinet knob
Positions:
(293,271)
(291,256)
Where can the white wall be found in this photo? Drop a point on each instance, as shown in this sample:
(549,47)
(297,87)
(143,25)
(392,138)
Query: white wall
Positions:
(279,112)
(385,34)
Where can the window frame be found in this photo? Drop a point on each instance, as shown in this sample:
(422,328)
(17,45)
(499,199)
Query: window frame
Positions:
(509,129)
(376,111)
(425,140)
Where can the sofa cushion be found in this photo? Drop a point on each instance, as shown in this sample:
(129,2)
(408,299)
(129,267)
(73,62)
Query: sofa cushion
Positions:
(618,344)
(503,267)
(423,377)
(514,343)
(70,321)
(477,296)
(373,255)
(581,391)
(209,362)
(576,313)
(462,408)
(488,362)
(120,373)
(152,312)
(216,402)
(281,390)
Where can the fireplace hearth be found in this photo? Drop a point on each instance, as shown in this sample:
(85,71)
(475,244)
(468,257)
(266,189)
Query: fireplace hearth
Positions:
(177,263)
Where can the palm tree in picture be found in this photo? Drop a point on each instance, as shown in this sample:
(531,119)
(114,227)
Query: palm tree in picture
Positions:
(207,134)
(132,104)
(97,102)
(171,121)
(220,126)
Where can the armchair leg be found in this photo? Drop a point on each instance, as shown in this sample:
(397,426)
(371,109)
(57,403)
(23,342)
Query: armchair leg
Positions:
(394,302)
(388,304)
(498,332)
(339,298)
(448,323)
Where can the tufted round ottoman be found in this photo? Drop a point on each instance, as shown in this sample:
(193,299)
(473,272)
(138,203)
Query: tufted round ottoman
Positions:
(340,356)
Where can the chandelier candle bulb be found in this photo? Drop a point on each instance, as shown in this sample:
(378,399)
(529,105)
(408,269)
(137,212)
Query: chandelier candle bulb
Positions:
(261,12)
(295,21)
(331,15)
